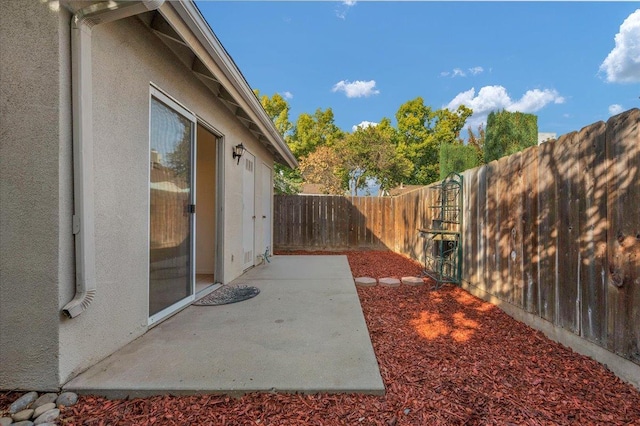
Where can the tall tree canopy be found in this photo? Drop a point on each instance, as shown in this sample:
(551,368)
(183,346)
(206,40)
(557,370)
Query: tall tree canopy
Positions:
(508,133)
(421,131)
(458,156)
(312,131)
(324,167)
(277,109)
(410,153)
(370,153)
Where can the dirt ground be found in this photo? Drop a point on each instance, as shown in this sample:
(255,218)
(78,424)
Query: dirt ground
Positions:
(446,357)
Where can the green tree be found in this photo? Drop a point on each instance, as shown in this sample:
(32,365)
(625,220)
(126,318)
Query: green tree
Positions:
(421,131)
(508,133)
(477,142)
(312,131)
(370,153)
(277,108)
(457,157)
(286,180)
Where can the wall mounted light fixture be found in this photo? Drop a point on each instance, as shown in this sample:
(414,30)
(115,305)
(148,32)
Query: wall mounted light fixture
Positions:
(238,150)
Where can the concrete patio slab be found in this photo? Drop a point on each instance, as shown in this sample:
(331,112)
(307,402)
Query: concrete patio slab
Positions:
(305,332)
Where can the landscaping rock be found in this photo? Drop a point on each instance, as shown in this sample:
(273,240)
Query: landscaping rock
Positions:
(23,402)
(366,281)
(389,282)
(413,281)
(44,399)
(23,423)
(5,421)
(47,417)
(22,415)
(67,399)
(42,409)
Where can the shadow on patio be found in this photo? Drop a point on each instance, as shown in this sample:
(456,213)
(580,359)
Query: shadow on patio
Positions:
(305,332)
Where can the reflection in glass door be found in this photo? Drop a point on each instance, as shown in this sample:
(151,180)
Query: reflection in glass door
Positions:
(171,283)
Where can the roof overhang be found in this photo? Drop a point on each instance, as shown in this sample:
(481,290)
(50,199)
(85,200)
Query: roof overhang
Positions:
(181,26)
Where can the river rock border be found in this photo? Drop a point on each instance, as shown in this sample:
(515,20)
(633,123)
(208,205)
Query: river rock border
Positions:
(34,409)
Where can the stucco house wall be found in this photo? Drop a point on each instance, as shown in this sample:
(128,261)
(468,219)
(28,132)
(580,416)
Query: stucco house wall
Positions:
(39,347)
(35,149)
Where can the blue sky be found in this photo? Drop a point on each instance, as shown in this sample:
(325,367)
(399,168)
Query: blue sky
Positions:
(570,63)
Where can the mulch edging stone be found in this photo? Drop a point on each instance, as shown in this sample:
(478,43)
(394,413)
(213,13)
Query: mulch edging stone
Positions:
(413,281)
(366,282)
(389,282)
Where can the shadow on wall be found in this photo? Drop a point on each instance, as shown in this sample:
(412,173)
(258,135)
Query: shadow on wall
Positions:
(555,230)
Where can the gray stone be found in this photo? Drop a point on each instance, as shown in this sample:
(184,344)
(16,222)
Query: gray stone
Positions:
(44,399)
(22,415)
(47,417)
(5,421)
(23,423)
(23,402)
(46,424)
(389,282)
(414,281)
(42,409)
(366,282)
(67,399)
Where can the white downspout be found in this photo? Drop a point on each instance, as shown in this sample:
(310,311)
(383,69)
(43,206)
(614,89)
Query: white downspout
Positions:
(82,100)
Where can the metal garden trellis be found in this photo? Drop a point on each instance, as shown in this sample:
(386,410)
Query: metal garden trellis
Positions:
(442,243)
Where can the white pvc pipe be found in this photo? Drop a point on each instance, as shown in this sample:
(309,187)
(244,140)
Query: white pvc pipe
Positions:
(82,99)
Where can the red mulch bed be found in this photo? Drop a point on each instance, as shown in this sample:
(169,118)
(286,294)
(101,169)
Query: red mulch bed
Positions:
(446,357)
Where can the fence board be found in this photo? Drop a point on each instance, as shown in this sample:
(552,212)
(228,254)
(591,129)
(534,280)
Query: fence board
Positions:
(623,239)
(547,230)
(503,231)
(515,226)
(593,232)
(481,225)
(530,224)
(567,239)
(491,230)
(469,225)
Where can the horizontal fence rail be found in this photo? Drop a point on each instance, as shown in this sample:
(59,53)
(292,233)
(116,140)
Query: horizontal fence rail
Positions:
(553,230)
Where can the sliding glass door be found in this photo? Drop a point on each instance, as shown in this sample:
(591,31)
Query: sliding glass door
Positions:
(171,274)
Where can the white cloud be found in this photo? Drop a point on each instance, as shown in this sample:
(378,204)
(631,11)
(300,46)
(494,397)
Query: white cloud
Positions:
(287,95)
(492,98)
(622,65)
(363,125)
(343,9)
(535,100)
(615,109)
(356,89)
(459,72)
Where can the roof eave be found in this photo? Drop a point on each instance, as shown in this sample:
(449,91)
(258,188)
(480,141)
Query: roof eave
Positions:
(196,23)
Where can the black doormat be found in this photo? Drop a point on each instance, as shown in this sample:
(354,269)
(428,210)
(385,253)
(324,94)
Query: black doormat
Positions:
(225,295)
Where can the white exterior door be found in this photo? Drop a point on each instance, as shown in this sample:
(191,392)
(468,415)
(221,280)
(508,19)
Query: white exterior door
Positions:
(248,210)
(267,208)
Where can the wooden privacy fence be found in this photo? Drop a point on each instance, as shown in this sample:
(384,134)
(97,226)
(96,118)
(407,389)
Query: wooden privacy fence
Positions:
(553,230)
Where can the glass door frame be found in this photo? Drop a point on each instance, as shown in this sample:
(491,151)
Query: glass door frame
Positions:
(154,92)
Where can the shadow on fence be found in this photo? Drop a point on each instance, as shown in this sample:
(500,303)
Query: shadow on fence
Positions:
(553,230)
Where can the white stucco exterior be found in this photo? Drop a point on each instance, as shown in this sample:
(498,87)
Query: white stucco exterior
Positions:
(39,347)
